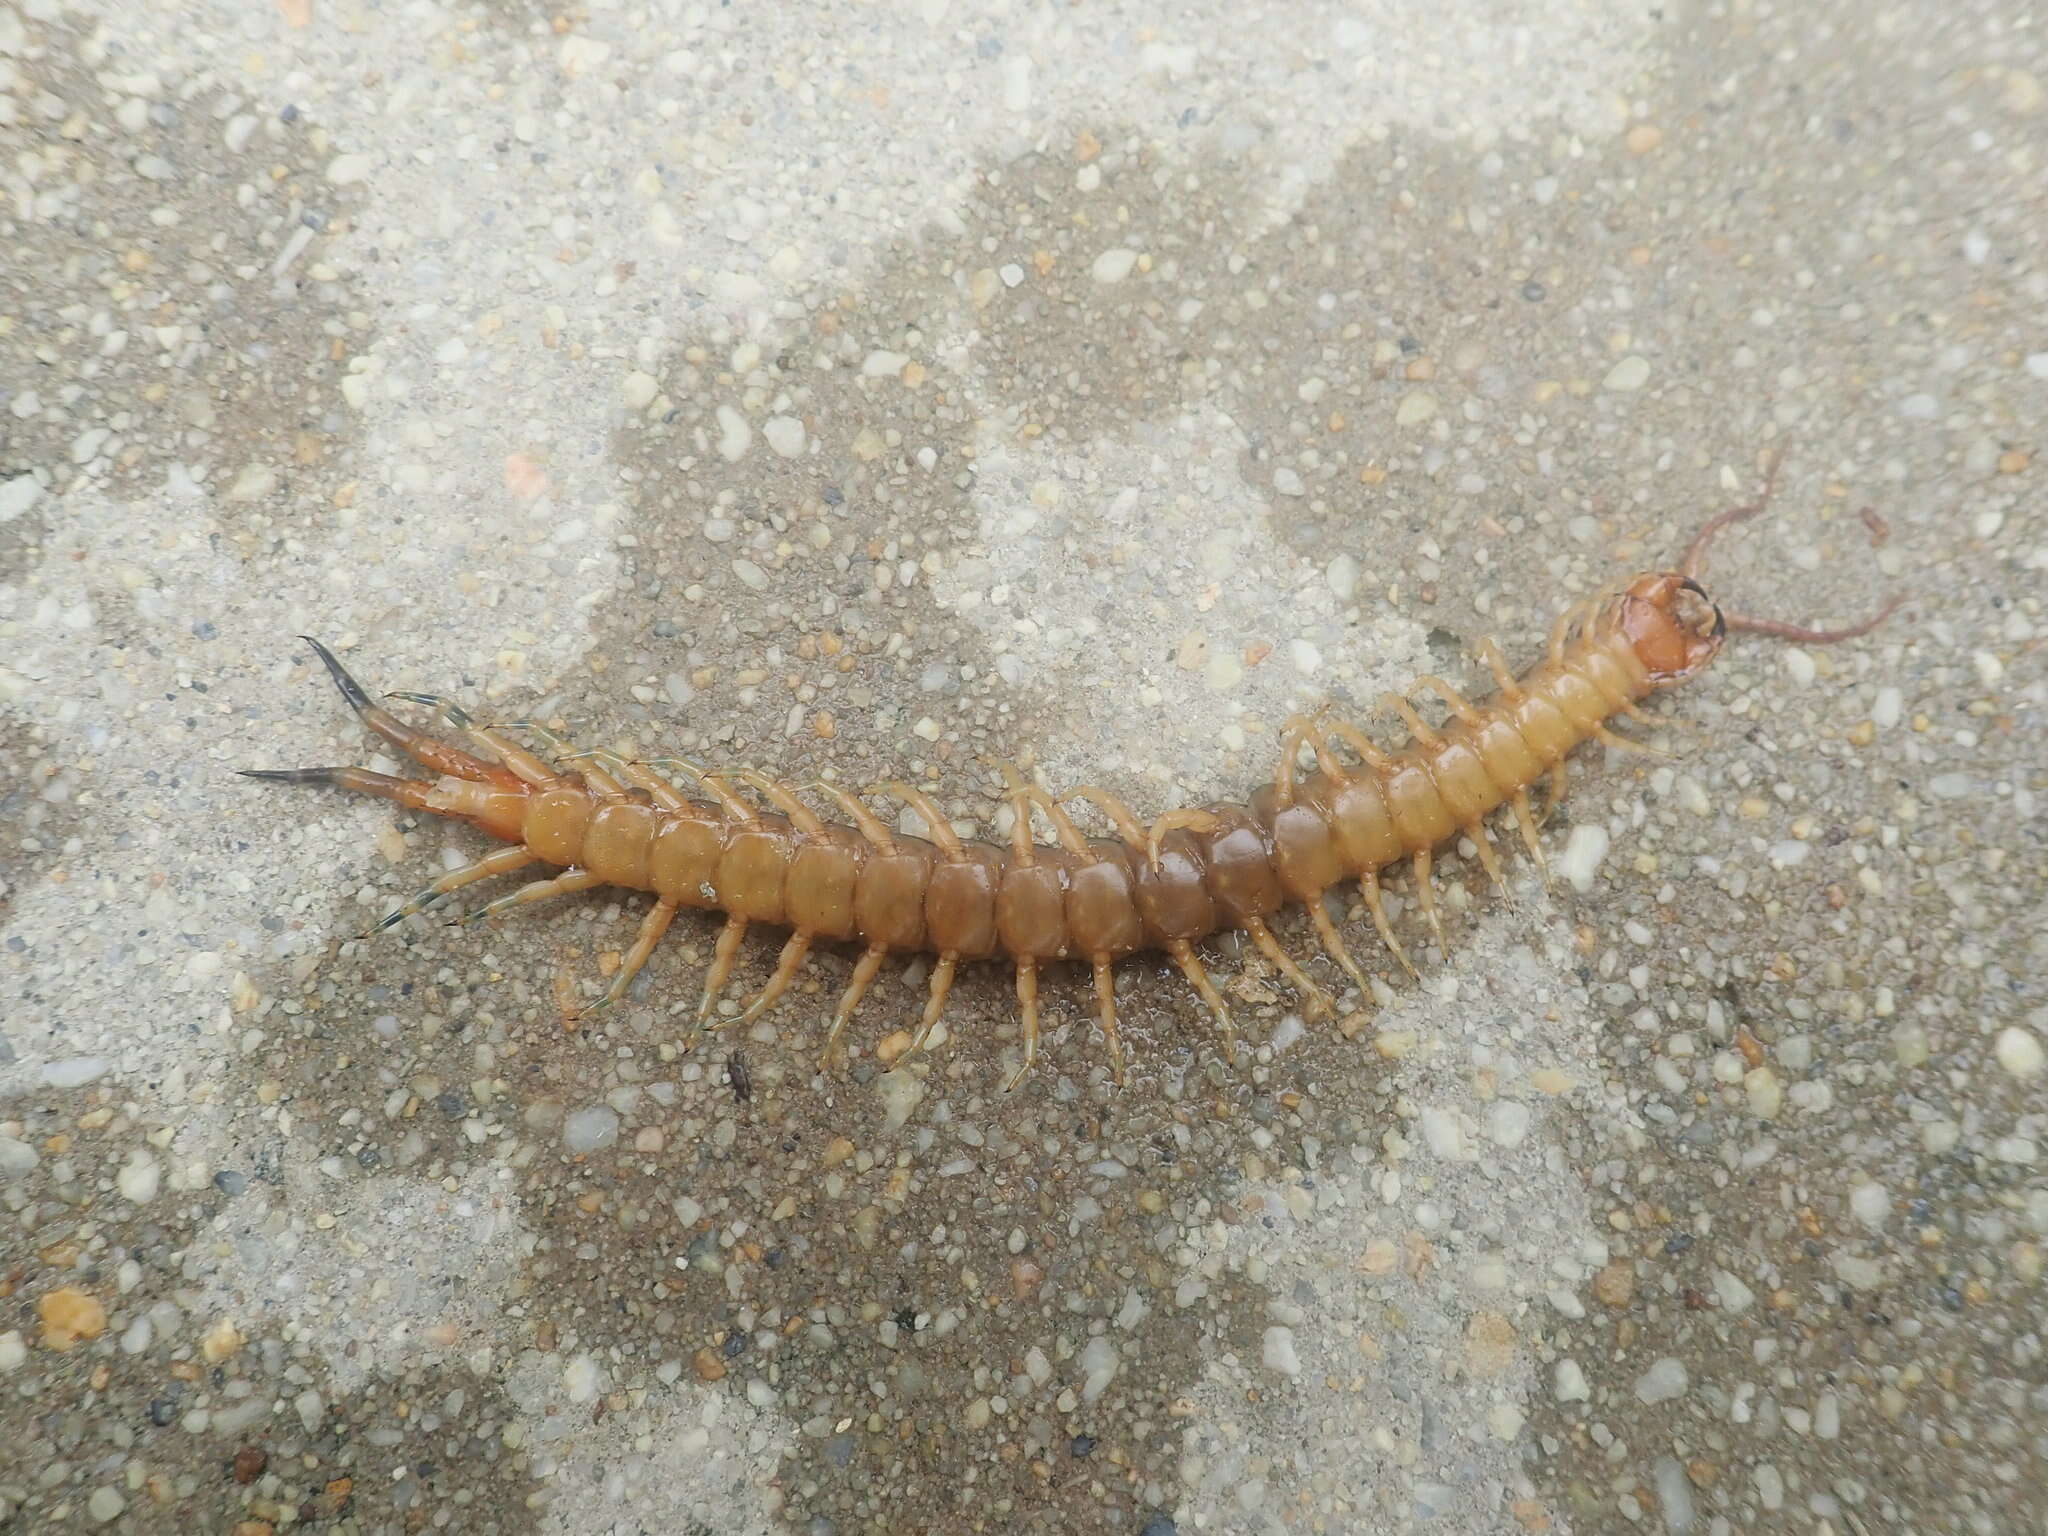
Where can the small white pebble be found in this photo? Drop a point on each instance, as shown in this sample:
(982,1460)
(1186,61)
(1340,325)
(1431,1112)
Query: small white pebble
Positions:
(2019,1052)
(13,1350)
(735,437)
(1570,1382)
(639,390)
(581,1379)
(1583,852)
(1279,1352)
(784,435)
(1664,1380)
(1444,1135)
(1342,575)
(591,1130)
(105,1505)
(1888,709)
(1113,265)
(1629,373)
(1800,664)
(1507,1123)
(1871,1203)
(138,1178)
(346,170)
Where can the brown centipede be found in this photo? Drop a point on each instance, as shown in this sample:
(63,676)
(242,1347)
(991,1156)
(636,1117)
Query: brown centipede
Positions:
(608,820)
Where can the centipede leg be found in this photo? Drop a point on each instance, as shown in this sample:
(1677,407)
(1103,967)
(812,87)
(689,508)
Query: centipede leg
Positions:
(1184,956)
(1624,744)
(652,928)
(1425,894)
(1525,818)
(1316,1003)
(1369,888)
(417,745)
(1105,1003)
(1482,842)
(503,862)
(942,983)
(864,973)
(568,883)
(1333,942)
(522,764)
(410,793)
(722,956)
(1027,1002)
(793,954)
(1560,779)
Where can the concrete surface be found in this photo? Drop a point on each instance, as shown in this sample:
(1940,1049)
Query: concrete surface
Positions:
(886,390)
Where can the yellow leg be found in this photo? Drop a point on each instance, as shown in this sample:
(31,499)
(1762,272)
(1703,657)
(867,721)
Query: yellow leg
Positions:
(1426,895)
(1623,744)
(1559,778)
(1525,817)
(942,983)
(1417,726)
(652,927)
(1369,888)
(1105,1001)
(503,862)
(793,954)
(1184,956)
(1509,685)
(1459,705)
(1483,842)
(1333,942)
(1027,1000)
(1316,1003)
(524,764)
(565,884)
(722,958)
(856,989)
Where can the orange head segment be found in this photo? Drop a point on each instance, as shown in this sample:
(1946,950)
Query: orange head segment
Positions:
(1669,622)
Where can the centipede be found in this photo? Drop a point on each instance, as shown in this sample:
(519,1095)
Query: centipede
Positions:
(751,847)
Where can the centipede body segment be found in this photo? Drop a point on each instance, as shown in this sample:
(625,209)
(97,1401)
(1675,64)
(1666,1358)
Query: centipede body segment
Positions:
(752,848)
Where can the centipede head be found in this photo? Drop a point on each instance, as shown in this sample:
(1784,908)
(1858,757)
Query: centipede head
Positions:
(1673,626)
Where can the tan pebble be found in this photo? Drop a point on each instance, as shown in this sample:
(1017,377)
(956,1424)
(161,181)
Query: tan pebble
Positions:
(709,1366)
(221,1341)
(1863,733)
(890,1047)
(250,1461)
(296,13)
(1489,1344)
(823,726)
(1551,1081)
(1380,1256)
(253,1528)
(1086,146)
(837,1151)
(1026,1275)
(70,1316)
(1644,137)
(524,477)
(1615,1285)
(2012,461)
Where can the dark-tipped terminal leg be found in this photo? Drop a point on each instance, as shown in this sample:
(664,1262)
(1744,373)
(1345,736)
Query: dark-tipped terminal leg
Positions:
(417,745)
(503,862)
(407,792)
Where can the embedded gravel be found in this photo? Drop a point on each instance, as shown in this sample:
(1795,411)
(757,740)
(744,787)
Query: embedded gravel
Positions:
(893,393)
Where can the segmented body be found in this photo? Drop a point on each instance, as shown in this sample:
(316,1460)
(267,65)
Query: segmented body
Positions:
(751,848)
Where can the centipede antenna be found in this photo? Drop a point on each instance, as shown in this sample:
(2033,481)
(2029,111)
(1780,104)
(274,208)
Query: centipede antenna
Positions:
(1803,636)
(1695,562)
(1696,556)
